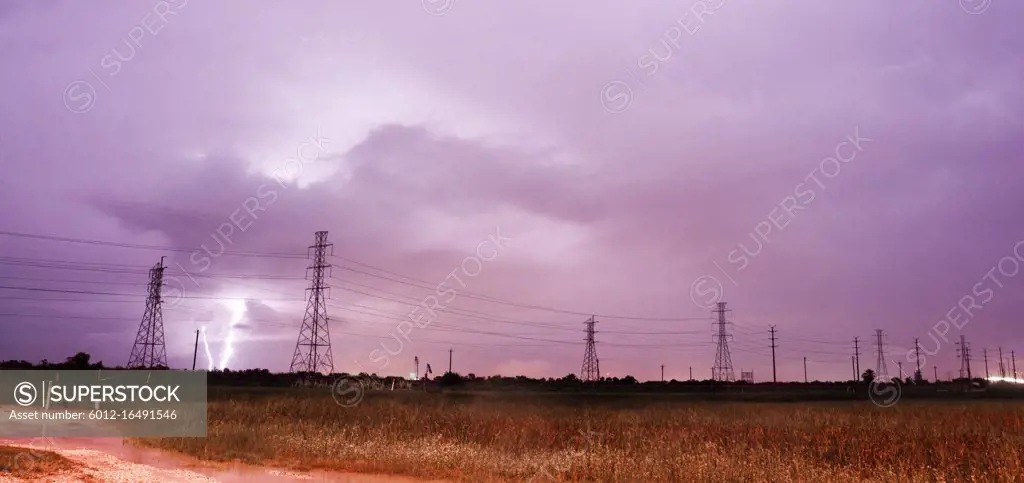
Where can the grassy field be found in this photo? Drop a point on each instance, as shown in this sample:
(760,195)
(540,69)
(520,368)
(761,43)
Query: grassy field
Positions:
(545,437)
(31,464)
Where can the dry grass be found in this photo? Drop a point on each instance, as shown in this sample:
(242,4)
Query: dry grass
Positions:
(25,463)
(515,437)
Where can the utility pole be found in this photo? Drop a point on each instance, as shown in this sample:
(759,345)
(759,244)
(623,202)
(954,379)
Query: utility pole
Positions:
(416,362)
(984,352)
(195,351)
(1002,368)
(856,355)
(450,359)
(936,369)
(917,356)
(691,373)
(805,370)
(663,373)
(774,377)
(1013,358)
(900,364)
(854,367)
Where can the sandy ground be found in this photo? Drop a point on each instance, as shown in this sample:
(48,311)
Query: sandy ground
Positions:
(109,460)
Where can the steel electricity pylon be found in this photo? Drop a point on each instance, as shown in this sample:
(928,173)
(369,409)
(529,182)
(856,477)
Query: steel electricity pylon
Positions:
(149,350)
(591,370)
(313,349)
(722,370)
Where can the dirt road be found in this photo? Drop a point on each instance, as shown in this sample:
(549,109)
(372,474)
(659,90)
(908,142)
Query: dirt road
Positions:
(109,460)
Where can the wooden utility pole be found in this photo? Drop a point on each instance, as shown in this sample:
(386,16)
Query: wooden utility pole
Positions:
(775,378)
(195,351)
(805,370)
(663,373)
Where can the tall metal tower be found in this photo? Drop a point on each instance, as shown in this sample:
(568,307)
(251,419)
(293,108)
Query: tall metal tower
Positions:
(313,349)
(149,349)
(856,355)
(722,370)
(591,370)
(883,372)
(964,352)
(775,378)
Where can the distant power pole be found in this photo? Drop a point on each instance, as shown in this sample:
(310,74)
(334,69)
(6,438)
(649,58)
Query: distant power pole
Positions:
(691,373)
(663,373)
(856,355)
(723,359)
(805,370)
(195,351)
(936,369)
(416,362)
(449,359)
(591,368)
(984,352)
(1013,358)
(853,366)
(900,364)
(883,372)
(1002,368)
(774,377)
(149,350)
(917,357)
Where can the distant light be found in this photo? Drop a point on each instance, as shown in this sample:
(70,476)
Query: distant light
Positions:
(412,375)
(1006,379)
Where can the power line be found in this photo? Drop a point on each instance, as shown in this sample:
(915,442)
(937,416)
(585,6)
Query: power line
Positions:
(124,269)
(485,298)
(90,292)
(148,247)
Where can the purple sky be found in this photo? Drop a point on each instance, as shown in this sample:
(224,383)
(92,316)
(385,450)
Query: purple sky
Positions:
(633,155)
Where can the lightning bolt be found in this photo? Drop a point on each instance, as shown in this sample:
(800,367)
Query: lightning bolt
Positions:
(238,309)
(206,347)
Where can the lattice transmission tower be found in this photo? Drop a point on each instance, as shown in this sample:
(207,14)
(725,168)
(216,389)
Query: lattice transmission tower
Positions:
(591,371)
(149,350)
(883,372)
(964,353)
(313,349)
(722,370)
